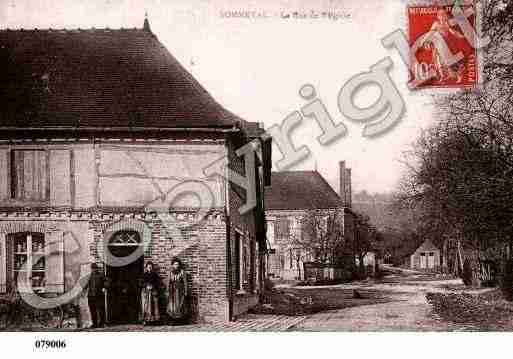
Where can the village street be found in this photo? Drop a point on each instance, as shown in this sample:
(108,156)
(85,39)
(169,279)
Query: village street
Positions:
(396,302)
(404,308)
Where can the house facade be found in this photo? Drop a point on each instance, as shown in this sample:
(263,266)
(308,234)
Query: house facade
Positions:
(426,257)
(107,146)
(296,202)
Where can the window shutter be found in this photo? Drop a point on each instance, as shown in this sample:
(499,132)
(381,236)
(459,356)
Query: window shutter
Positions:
(9,258)
(29,174)
(267,159)
(17,173)
(3,263)
(282,227)
(60,177)
(55,263)
(244,260)
(237,261)
(4,175)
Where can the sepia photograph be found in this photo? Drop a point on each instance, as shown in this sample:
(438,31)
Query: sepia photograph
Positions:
(239,166)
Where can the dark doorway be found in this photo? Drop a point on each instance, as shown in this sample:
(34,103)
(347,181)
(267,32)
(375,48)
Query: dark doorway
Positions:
(123,294)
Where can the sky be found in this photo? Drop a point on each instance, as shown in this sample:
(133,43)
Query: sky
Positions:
(255,66)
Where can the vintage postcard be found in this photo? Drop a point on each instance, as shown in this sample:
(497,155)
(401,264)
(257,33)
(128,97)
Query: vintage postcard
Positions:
(242,166)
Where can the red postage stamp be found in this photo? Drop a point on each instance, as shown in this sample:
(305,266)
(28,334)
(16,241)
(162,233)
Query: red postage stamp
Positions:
(428,56)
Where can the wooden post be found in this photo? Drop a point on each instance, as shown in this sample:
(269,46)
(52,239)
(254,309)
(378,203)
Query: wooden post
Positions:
(460,258)
(444,263)
(105,294)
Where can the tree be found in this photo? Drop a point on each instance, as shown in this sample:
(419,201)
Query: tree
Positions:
(367,239)
(321,236)
(463,190)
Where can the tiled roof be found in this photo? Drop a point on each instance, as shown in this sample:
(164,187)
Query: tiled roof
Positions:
(99,79)
(300,190)
(426,246)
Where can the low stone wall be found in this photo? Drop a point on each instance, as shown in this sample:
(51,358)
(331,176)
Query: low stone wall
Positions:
(317,272)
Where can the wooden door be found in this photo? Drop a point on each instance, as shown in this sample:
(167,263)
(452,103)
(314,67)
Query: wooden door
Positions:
(423,260)
(431,260)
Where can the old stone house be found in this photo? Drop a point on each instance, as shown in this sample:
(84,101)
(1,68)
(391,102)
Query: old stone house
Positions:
(426,257)
(292,197)
(104,142)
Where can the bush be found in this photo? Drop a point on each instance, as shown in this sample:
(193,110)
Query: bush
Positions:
(16,313)
(268,285)
(397,261)
(506,280)
(471,310)
(379,274)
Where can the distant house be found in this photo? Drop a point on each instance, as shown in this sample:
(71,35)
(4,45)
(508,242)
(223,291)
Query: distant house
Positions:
(292,196)
(426,257)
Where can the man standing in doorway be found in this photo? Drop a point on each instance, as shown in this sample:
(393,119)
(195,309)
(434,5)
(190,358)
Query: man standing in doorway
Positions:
(96,296)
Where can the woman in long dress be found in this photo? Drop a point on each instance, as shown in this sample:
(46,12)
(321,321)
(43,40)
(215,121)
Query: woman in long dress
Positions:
(150,295)
(177,306)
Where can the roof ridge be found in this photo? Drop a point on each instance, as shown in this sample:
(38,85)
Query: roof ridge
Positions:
(74,30)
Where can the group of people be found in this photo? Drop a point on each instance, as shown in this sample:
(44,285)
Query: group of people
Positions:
(177,292)
(150,291)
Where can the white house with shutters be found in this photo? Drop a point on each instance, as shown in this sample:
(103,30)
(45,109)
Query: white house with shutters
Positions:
(426,257)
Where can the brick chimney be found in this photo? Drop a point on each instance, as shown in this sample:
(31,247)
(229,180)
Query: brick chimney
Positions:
(345,184)
(342,175)
(349,190)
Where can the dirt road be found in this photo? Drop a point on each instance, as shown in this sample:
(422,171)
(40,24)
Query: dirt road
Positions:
(406,308)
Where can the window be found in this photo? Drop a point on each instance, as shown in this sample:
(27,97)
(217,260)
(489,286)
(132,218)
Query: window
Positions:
(27,258)
(282,227)
(299,255)
(431,254)
(242,263)
(305,229)
(38,257)
(236,262)
(29,175)
(125,238)
(254,273)
(245,263)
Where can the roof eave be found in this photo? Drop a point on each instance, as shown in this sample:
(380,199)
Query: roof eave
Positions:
(303,209)
(123,129)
